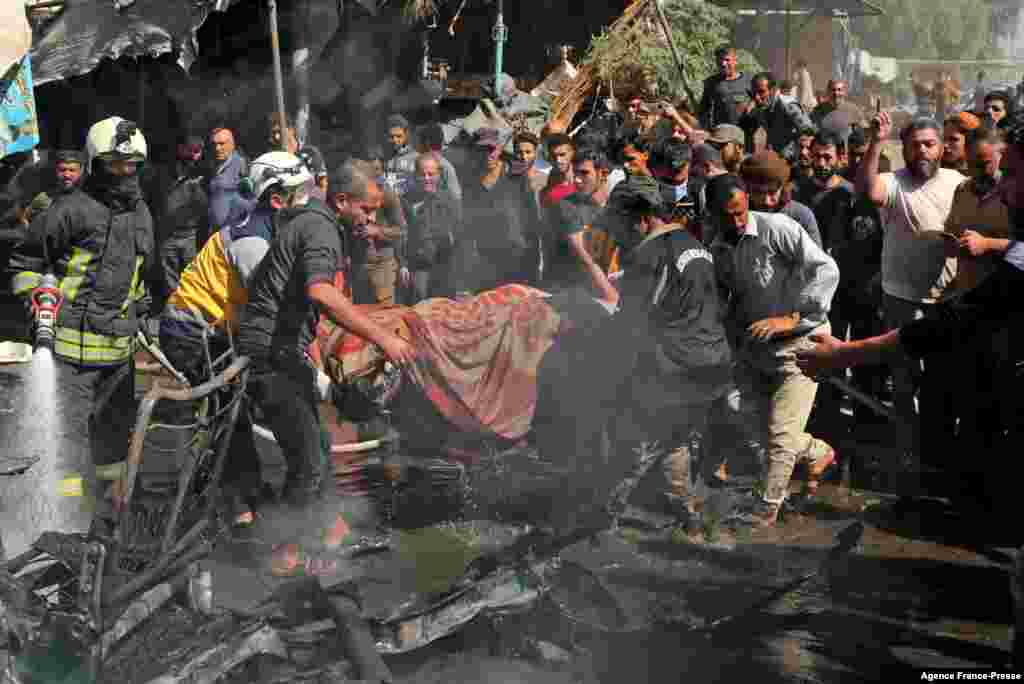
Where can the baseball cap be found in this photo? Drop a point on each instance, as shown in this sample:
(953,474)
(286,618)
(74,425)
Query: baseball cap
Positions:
(723,134)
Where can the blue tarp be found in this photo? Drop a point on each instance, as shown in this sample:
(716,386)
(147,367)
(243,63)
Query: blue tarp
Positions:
(19,126)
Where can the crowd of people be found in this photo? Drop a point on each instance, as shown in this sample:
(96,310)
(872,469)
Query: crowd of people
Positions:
(741,267)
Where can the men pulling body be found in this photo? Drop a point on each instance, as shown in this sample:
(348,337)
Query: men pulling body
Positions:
(781,285)
(205,307)
(292,286)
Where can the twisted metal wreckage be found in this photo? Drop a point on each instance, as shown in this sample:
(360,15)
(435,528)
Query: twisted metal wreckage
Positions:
(70,602)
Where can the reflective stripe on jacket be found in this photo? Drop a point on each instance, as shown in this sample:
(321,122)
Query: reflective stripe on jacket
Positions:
(99,256)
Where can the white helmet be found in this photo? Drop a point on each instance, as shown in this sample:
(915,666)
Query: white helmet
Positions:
(275,168)
(115,138)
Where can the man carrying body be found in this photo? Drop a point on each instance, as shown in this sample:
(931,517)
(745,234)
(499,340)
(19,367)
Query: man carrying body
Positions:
(915,203)
(780,285)
(726,94)
(680,357)
(207,303)
(96,241)
(292,286)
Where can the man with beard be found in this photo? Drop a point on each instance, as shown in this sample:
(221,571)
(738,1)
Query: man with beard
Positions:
(291,288)
(726,94)
(781,119)
(180,214)
(731,142)
(207,301)
(433,218)
(780,286)
(980,220)
(915,203)
(824,115)
(804,162)
(765,175)
(998,108)
(678,352)
(827,194)
(68,169)
(97,241)
(400,164)
(955,131)
(856,148)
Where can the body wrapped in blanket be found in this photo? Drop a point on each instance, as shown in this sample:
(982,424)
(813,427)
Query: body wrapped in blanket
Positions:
(480,356)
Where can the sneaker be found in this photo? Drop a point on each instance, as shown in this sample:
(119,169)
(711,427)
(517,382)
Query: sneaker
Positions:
(817,470)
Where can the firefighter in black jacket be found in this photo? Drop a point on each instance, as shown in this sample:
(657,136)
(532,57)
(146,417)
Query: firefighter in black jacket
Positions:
(96,242)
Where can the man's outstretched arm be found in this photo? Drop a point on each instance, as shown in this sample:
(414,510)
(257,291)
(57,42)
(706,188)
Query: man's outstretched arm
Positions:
(344,313)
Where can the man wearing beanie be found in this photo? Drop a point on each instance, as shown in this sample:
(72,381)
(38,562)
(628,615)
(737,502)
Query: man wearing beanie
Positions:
(781,286)
(765,175)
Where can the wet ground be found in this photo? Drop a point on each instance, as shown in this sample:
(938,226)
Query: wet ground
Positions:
(926,587)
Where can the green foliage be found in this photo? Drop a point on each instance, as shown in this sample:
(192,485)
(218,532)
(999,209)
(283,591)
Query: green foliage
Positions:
(698,28)
(931,29)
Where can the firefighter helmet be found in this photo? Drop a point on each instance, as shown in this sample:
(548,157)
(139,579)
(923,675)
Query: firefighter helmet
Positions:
(274,168)
(115,138)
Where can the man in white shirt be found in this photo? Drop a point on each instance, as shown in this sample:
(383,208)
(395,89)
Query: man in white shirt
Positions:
(914,203)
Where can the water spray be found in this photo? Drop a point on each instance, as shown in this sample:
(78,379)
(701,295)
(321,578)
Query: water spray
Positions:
(46,302)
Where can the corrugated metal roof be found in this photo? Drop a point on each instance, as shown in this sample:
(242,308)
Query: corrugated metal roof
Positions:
(88,31)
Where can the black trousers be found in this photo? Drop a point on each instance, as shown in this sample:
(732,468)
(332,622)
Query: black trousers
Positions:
(284,398)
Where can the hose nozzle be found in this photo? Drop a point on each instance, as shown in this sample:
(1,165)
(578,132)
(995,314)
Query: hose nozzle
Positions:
(46,302)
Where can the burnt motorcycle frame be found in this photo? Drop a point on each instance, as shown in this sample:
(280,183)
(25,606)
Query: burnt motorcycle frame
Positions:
(103,579)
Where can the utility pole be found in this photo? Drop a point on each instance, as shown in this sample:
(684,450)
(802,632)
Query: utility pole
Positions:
(275,48)
(500,36)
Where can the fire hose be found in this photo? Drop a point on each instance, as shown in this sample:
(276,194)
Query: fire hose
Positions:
(46,300)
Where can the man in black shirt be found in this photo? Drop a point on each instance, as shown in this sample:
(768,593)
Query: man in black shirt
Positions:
(500,216)
(581,252)
(679,352)
(827,193)
(293,285)
(726,94)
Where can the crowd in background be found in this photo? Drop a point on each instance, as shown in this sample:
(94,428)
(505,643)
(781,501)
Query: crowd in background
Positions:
(737,231)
